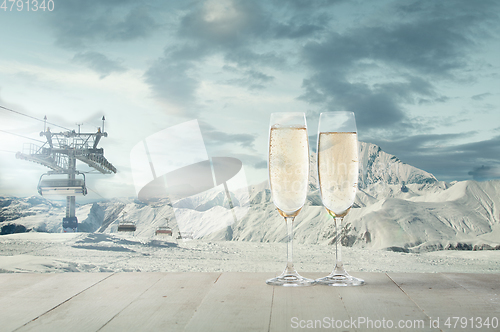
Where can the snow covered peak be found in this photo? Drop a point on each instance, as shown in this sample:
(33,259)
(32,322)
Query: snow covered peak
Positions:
(377,166)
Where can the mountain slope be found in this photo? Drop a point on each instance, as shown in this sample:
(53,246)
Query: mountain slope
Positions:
(397,206)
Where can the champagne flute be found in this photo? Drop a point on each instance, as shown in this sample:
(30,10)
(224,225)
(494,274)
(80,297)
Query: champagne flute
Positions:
(288,166)
(337,162)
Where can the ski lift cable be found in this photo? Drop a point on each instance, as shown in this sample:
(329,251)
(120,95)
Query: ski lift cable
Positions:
(8,151)
(32,117)
(34,139)
(95,192)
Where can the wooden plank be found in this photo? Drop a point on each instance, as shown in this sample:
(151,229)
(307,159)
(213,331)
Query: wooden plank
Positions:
(311,307)
(168,305)
(484,286)
(93,308)
(380,302)
(441,298)
(238,301)
(14,282)
(33,295)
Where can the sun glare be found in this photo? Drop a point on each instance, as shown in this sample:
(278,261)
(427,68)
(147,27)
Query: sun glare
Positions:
(221,11)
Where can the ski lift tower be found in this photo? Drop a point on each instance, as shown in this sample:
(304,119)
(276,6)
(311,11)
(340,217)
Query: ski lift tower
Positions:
(60,153)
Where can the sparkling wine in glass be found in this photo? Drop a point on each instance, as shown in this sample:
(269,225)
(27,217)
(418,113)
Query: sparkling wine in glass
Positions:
(337,162)
(288,165)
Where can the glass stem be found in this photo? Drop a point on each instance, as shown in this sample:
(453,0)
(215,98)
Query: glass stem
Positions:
(339,267)
(289,245)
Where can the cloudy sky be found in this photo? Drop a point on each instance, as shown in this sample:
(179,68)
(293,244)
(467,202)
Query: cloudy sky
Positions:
(421,76)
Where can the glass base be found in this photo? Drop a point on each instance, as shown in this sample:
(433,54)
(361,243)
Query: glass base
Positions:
(340,280)
(292,279)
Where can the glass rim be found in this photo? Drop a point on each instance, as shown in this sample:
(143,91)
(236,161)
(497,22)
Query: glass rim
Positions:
(288,119)
(302,113)
(326,118)
(336,112)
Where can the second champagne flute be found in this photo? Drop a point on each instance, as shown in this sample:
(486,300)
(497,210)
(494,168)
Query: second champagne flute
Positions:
(337,156)
(288,165)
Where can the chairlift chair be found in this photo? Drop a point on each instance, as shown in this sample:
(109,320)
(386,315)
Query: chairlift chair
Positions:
(126,226)
(61,186)
(163,230)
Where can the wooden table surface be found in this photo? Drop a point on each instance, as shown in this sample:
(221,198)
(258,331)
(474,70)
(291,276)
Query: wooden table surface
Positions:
(238,301)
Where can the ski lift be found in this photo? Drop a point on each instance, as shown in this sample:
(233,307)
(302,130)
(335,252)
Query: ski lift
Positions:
(163,230)
(61,186)
(126,226)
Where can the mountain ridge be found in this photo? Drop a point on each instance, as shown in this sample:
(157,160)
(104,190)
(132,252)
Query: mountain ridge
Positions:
(398,207)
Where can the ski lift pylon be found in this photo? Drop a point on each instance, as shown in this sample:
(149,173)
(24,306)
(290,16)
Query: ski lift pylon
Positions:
(70,225)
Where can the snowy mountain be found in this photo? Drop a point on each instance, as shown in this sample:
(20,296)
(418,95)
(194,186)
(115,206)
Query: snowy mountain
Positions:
(398,207)
(380,167)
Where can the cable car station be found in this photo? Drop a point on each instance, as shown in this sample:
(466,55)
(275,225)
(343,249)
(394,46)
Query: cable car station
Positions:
(60,153)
